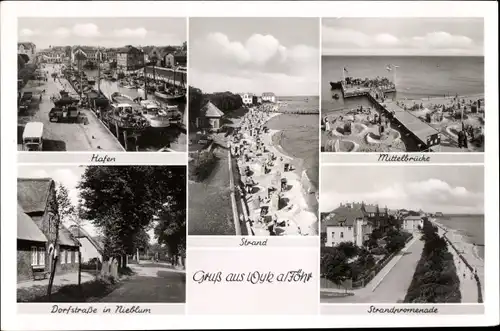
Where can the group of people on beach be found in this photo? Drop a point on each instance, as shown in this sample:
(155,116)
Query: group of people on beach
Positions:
(247,147)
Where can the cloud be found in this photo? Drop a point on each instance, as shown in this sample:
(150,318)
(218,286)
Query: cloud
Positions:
(62,32)
(29,32)
(430,195)
(442,39)
(130,33)
(258,63)
(86,30)
(340,40)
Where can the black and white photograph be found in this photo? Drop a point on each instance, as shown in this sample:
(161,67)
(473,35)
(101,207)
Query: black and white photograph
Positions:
(402,85)
(402,234)
(253,126)
(102,84)
(101,234)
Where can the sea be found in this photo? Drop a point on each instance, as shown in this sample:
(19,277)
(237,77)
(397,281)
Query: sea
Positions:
(416,77)
(300,132)
(471,227)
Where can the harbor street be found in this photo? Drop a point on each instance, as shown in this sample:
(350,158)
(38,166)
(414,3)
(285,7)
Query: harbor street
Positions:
(83,136)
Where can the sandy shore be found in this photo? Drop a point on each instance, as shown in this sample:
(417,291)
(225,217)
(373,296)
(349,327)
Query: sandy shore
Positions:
(295,216)
(468,284)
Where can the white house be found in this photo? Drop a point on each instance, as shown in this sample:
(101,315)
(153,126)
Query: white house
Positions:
(412,223)
(247,98)
(345,224)
(90,247)
(27,48)
(268,97)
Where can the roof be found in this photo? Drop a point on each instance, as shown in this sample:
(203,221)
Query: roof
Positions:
(180,53)
(128,49)
(33,130)
(370,208)
(268,94)
(414,124)
(26,227)
(344,215)
(413,218)
(66,238)
(33,193)
(82,233)
(210,110)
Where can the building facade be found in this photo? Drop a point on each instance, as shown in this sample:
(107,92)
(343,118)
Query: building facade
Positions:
(37,202)
(247,98)
(413,223)
(268,97)
(210,117)
(129,58)
(347,223)
(176,59)
(90,247)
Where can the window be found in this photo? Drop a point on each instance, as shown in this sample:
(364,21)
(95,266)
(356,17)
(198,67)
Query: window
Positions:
(349,228)
(333,234)
(63,256)
(34,255)
(68,256)
(41,255)
(341,234)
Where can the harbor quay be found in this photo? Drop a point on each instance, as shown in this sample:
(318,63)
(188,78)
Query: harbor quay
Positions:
(85,134)
(91,95)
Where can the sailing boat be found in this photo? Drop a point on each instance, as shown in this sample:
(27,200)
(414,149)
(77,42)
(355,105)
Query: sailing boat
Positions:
(174,93)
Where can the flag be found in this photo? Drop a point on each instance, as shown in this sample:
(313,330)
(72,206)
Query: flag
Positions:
(345,70)
(388,68)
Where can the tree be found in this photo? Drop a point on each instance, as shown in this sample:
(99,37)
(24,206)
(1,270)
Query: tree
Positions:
(123,201)
(196,102)
(348,249)
(184,46)
(334,265)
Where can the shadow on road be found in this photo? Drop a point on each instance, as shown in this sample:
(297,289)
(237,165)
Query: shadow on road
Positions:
(168,287)
(54,145)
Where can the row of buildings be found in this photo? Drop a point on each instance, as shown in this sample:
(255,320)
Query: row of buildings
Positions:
(37,216)
(354,222)
(127,58)
(252,99)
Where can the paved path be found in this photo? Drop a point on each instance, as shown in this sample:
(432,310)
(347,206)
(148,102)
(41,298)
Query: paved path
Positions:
(93,136)
(70,278)
(391,283)
(151,283)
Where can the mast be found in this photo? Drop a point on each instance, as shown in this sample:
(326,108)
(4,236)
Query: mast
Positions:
(98,70)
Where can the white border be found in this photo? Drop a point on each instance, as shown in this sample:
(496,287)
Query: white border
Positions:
(11,10)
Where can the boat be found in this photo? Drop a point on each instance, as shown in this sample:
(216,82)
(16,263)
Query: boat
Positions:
(125,117)
(336,85)
(175,96)
(157,117)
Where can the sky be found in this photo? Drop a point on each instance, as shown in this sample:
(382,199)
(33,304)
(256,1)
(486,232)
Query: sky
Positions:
(447,189)
(256,55)
(105,32)
(69,176)
(403,36)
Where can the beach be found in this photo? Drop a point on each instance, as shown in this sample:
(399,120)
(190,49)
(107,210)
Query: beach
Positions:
(260,156)
(459,244)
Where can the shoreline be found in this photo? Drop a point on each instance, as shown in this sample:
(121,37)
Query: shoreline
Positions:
(467,262)
(276,138)
(298,213)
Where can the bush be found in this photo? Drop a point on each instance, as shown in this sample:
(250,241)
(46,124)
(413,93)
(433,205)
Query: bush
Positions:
(379,251)
(202,165)
(435,279)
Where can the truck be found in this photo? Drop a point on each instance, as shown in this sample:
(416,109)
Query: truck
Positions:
(33,136)
(64,114)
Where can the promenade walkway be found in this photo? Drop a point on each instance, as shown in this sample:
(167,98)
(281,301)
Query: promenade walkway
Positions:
(390,284)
